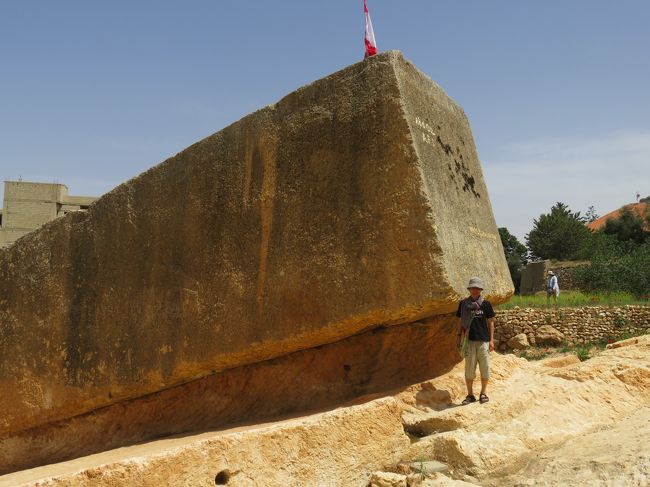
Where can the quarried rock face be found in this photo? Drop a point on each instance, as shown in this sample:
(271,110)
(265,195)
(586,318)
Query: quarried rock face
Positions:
(372,362)
(355,202)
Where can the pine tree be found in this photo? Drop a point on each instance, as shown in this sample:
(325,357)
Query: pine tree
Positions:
(591,215)
(557,235)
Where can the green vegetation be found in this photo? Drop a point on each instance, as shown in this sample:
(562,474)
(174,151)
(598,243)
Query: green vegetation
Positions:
(591,215)
(618,255)
(582,352)
(573,299)
(616,266)
(559,234)
(629,226)
(516,255)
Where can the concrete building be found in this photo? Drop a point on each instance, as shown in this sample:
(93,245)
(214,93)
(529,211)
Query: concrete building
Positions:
(29,205)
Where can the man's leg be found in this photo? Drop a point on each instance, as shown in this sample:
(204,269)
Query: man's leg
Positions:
(470,367)
(483,359)
(470,386)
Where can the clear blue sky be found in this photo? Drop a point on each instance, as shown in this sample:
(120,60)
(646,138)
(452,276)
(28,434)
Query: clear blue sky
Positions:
(557,92)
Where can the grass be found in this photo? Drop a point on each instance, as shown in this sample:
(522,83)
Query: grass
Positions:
(570,299)
(583,352)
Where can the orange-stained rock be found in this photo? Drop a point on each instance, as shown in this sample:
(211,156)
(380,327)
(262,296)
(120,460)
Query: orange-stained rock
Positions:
(356,201)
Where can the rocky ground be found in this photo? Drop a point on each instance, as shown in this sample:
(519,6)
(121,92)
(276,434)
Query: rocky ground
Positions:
(556,421)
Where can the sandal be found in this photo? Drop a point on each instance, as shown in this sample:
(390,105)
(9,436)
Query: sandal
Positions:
(483,398)
(469,399)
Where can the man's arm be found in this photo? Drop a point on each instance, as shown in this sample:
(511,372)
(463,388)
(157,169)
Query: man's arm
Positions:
(460,324)
(460,333)
(491,330)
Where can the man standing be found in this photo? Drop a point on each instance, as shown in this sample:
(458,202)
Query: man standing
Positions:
(476,332)
(552,288)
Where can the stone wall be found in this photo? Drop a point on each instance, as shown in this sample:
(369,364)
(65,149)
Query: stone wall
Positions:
(564,273)
(575,325)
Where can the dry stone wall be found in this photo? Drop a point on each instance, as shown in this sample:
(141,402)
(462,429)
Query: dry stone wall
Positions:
(576,325)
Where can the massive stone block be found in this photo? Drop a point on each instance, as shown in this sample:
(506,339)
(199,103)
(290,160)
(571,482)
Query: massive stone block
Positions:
(355,202)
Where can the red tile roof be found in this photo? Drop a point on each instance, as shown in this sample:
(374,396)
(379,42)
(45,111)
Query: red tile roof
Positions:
(638,208)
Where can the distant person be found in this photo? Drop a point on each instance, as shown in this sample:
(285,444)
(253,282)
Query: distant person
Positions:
(476,338)
(552,288)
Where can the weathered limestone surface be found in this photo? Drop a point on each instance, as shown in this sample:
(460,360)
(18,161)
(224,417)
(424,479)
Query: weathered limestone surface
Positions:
(331,449)
(354,202)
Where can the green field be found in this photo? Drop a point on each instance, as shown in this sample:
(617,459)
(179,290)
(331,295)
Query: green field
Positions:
(572,299)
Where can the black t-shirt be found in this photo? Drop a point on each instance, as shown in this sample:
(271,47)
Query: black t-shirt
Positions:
(478,330)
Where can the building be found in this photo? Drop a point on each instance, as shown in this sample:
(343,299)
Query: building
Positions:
(29,205)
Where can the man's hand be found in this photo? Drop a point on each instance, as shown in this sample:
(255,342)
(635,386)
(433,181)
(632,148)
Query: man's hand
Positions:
(491,345)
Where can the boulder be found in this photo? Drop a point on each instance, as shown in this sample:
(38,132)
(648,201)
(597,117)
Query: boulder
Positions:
(519,342)
(547,335)
(388,479)
(330,213)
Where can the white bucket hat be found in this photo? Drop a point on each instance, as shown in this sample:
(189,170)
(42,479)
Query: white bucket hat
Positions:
(475,282)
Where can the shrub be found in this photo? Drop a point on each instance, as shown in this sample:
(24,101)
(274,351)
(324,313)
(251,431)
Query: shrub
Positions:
(582,353)
(616,266)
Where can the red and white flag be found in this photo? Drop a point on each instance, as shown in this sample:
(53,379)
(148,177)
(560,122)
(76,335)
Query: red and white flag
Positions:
(371,45)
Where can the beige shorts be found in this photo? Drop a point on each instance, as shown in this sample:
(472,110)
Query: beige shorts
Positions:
(477,352)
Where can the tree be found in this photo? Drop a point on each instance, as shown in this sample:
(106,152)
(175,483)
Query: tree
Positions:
(591,215)
(516,255)
(512,246)
(558,235)
(627,226)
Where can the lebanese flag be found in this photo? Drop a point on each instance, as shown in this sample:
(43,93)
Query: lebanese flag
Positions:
(371,45)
